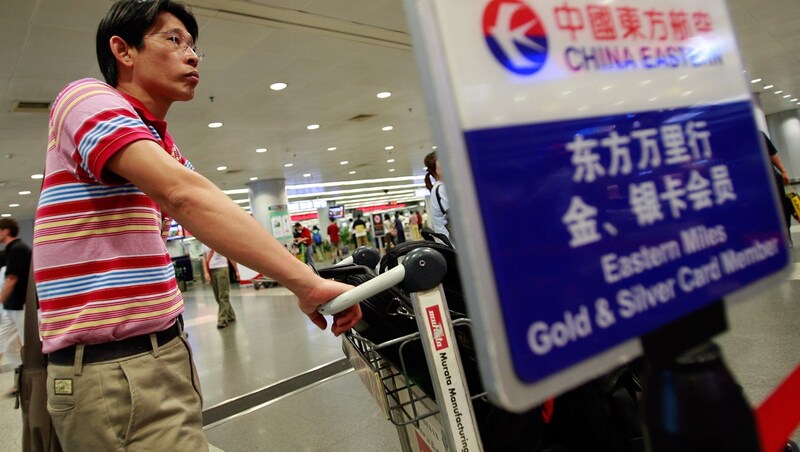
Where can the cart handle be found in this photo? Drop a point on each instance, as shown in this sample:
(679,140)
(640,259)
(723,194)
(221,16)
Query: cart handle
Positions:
(374,286)
(425,266)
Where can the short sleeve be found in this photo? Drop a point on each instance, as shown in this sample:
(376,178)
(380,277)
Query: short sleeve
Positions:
(91,122)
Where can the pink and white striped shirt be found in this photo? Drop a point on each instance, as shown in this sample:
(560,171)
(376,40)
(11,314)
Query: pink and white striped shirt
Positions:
(101,265)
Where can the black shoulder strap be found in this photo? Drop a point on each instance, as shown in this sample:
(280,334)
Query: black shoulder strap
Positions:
(439,199)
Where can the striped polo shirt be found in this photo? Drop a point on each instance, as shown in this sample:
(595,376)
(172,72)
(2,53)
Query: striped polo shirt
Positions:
(101,265)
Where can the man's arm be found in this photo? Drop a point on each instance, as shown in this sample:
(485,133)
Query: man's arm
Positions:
(206,270)
(8,286)
(776,160)
(222,225)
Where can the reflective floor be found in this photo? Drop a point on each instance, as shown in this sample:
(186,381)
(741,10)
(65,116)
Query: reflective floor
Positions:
(272,345)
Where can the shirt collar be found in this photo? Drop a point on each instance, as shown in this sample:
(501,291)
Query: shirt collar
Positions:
(149,118)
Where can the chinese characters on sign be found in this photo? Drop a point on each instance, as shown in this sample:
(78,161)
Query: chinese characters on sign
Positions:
(650,201)
(606,23)
(605,38)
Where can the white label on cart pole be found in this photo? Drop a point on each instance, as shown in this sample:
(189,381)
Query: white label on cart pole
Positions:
(605,176)
(452,395)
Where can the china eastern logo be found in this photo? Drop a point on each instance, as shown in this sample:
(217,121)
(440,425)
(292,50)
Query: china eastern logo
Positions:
(515,35)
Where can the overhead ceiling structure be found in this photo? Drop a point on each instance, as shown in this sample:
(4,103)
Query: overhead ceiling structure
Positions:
(335,57)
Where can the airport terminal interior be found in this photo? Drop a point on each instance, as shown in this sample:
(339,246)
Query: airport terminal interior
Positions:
(324,99)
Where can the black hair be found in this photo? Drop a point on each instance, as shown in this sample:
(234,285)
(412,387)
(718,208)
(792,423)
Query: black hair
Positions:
(10,224)
(129,19)
(430,166)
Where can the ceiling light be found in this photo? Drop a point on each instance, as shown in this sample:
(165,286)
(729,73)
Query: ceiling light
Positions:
(389,148)
(390,161)
(312,126)
(391,170)
(214,125)
(288,165)
(787,96)
(278,86)
(37,176)
(352,172)
(5,215)
(261,150)
(434,147)
(607,87)
(384,95)
(242,201)
(387,128)
(778,92)
(344,162)
(793,100)
(755,80)
(25,192)
(254,178)
(769,87)
(332,148)
(347,182)
(13,205)
(683,77)
(307,175)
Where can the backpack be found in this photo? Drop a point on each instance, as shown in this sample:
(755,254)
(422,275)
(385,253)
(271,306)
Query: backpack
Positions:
(317,237)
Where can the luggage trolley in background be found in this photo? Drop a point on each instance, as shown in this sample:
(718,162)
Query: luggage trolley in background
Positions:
(449,418)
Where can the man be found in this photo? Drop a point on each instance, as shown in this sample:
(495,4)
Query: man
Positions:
(781,181)
(333,236)
(109,301)
(302,237)
(360,228)
(215,270)
(12,295)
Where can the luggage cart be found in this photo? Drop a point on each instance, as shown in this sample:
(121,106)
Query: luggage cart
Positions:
(448,422)
(262,281)
(413,412)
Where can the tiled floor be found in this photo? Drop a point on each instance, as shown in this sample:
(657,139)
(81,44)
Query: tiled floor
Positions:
(271,341)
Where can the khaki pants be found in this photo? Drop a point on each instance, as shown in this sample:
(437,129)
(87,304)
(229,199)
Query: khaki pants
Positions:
(221,284)
(150,401)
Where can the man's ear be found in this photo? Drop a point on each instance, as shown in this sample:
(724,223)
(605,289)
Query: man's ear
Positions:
(122,51)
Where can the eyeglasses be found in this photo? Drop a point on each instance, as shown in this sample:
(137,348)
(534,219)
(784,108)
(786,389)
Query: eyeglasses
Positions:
(180,43)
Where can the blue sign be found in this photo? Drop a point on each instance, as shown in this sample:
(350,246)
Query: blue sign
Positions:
(666,211)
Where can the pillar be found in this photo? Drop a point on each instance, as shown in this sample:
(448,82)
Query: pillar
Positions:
(270,207)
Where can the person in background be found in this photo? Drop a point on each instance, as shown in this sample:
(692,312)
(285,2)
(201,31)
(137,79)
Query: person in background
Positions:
(316,242)
(398,226)
(439,203)
(304,241)
(781,181)
(333,236)
(425,223)
(413,223)
(12,295)
(389,231)
(114,179)
(215,270)
(360,228)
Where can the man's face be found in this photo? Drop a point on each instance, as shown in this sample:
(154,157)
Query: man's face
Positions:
(166,72)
